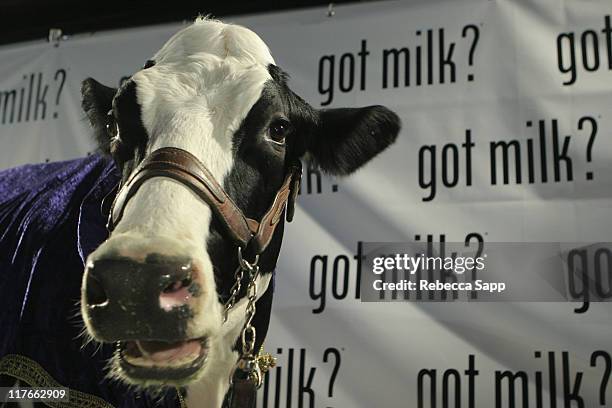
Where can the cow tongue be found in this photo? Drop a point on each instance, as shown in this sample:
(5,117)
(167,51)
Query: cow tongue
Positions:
(159,351)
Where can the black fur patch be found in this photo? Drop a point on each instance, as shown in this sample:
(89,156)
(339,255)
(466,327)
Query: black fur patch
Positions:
(128,115)
(97,101)
(149,64)
(303,117)
(257,173)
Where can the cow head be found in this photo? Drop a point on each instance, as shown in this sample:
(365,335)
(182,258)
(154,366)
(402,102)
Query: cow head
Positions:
(156,287)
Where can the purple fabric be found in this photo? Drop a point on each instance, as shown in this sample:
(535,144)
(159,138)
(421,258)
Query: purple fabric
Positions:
(50,220)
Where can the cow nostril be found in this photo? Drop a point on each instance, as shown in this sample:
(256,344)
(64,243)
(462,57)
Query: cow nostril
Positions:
(96,296)
(175,294)
(176,286)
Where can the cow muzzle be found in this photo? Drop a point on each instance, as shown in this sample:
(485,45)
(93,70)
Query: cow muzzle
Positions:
(145,308)
(126,299)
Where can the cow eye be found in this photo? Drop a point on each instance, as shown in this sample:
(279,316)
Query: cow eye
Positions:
(112,130)
(279,129)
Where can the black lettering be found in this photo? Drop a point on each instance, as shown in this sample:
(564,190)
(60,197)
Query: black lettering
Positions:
(505,147)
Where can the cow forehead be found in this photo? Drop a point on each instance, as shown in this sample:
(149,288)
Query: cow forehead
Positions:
(206,63)
(218,92)
(207,70)
(225,41)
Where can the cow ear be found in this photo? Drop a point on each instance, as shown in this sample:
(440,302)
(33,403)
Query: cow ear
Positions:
(97,100)
(347,138)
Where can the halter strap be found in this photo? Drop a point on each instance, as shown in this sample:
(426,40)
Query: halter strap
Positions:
(184,167)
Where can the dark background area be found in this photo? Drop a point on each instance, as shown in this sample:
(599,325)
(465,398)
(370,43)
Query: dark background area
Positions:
(23,20)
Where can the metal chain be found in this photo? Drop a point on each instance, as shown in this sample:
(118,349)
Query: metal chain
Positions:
(182,402)
(248,345)
(238,276)
(243,266)
(248,362)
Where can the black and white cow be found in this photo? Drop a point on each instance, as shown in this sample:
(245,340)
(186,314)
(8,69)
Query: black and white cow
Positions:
(214,91)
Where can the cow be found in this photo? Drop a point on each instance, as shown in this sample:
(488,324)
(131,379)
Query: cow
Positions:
(206,142)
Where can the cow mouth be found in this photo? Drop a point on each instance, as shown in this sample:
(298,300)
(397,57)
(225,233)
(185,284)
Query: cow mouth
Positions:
(159,360)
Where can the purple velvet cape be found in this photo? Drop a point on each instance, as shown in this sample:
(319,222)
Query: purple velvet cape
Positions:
(50,220)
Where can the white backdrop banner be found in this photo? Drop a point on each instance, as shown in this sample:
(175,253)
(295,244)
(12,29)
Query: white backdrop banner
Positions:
(507,137)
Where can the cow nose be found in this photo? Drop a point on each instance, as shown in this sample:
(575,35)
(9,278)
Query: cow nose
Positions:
(129,300)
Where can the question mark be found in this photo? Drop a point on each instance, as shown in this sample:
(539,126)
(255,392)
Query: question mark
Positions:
(60,88)
(589,174)
(332,378)
(471,27)
(606,376)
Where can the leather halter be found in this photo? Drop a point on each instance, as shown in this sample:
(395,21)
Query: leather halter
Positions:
(184,167)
